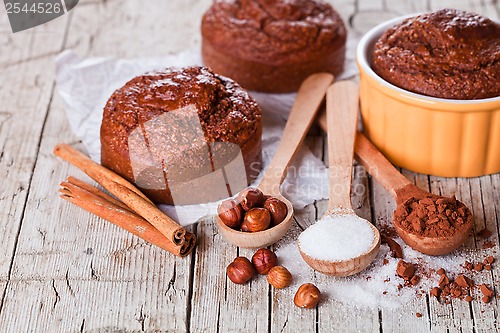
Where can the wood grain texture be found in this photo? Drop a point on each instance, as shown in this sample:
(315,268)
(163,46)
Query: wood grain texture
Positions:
(26,90)
(63,270)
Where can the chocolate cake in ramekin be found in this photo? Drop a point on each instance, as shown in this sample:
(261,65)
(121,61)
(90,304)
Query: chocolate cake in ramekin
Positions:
(446,54)
(429,92)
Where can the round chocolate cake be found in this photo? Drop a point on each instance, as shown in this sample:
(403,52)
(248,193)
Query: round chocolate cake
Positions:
(272,45)
(183,136)
(448,54)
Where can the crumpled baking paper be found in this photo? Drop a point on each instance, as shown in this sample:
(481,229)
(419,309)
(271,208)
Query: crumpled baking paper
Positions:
(86,84)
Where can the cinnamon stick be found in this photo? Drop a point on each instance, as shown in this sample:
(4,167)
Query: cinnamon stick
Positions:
(96,191)
(95,201)
(124,191)
(93,169)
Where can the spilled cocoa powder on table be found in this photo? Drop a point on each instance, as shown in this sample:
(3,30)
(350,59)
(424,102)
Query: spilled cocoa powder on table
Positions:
(461,287)
(432,216)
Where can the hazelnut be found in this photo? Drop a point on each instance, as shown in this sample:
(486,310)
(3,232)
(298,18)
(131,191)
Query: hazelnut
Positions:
(277,209)
(240,271)
(230,213)
(279,277)
(250,198)
(256,219)
(307,296)
(263,260)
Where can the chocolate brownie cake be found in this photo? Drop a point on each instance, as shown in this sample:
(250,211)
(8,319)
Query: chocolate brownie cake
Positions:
(272,45)
(448,54)
(178,133)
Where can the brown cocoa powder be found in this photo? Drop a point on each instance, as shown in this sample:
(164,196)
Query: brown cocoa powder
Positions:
(484,233)
(487,292)
(488,245)
(458,288)
(463,281)
(478,267)
(405,270)
(432,216)
(396,250)
(461,287)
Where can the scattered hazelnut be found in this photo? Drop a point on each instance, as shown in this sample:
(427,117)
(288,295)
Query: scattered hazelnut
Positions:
(230,213)
(279,277)
(307,296)
(250,198)
(277,209)
(263,260)
(240,271)
(256,219)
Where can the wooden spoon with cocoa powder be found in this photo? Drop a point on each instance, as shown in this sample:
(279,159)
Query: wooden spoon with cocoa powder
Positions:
(429,223)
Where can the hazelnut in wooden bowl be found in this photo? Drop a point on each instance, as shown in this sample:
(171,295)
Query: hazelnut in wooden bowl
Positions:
(254,219)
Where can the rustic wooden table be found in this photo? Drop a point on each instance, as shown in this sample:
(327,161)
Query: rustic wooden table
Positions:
(64,270)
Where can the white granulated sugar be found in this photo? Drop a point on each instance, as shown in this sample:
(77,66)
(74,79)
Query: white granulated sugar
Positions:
(376,287)
(337,237)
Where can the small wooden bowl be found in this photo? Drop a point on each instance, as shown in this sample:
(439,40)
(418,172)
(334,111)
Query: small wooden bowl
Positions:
(258,239)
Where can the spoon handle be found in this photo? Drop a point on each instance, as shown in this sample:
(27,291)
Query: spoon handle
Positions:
(342,116)
(374,162)
(378,166)
(309,98)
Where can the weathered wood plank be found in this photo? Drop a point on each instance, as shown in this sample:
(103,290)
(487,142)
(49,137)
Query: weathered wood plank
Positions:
(54,305)
(471,192)
(26,91)
(218,304)
(61,242)
(54,246)
(133,29)
(468,5)
(285,316)
(404,7)
(75,272)
(368,13)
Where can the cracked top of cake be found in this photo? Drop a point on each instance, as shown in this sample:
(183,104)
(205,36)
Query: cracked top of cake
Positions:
(226,111)
(448,54)
(273,30)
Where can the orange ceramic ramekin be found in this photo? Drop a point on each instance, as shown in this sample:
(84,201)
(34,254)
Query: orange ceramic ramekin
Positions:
(441,137)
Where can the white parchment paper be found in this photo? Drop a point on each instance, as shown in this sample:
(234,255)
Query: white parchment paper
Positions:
(86,84)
